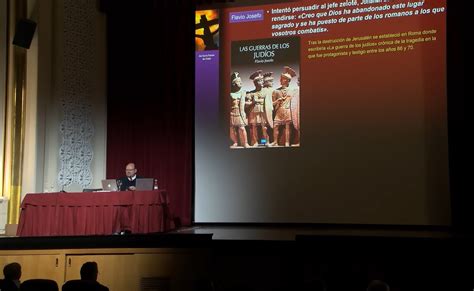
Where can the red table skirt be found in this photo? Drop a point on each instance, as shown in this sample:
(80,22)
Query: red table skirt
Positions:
(96,213)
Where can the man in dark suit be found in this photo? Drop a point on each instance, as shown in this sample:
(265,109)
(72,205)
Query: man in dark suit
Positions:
(129,181)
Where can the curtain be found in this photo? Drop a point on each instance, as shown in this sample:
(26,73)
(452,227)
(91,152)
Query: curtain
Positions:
(151,95)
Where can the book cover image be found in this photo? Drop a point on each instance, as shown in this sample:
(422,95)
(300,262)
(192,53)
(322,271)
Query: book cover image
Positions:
(207,30)
(264,103)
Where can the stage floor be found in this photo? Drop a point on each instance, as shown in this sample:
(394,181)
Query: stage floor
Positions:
(215,235)
(290,232)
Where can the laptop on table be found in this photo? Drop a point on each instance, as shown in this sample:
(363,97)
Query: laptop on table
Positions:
(144,184)
(109,185)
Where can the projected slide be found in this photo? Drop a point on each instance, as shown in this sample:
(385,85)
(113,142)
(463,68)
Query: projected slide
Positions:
(305,106)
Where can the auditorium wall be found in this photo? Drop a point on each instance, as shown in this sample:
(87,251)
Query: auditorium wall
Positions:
(153,268)
(65,127)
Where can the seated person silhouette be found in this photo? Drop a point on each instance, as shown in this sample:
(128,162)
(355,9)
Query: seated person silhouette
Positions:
(12,273)
(88,281)
(377,285)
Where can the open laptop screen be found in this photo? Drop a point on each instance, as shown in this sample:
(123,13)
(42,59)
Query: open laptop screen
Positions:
(144,184)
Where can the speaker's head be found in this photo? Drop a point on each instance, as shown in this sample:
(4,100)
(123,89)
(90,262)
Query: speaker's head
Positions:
(25,30)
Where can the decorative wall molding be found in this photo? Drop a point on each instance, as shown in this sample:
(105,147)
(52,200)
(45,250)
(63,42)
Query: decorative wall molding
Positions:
(76,128)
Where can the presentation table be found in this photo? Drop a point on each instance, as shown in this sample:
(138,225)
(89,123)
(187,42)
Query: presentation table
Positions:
(93,213)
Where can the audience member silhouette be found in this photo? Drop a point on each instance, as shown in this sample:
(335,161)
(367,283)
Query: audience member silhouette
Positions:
(204,285)
(377,285)
(12,273)
(90,271)
(88,282)
(314,285)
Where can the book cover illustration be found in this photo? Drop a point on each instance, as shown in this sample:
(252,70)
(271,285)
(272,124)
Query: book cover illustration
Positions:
(265,93)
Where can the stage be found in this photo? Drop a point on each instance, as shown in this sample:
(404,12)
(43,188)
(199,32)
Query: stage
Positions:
(266,233)
(289,232)
(262,257)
